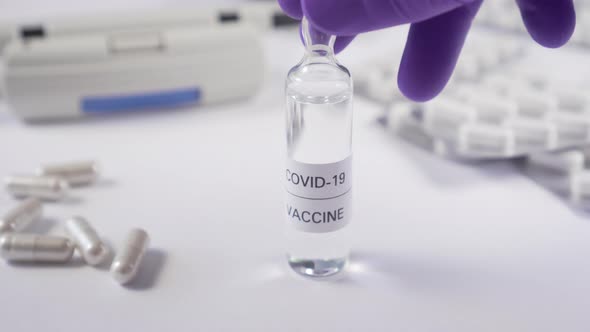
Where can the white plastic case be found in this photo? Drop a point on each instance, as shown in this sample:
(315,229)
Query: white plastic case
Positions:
(72,76)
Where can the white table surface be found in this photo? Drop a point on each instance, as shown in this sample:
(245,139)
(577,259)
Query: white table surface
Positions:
(438,246)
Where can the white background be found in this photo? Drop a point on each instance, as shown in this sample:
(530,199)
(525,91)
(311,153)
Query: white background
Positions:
(438,246)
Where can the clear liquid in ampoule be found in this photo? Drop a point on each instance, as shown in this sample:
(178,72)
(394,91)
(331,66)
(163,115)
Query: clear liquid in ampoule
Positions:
(318,171)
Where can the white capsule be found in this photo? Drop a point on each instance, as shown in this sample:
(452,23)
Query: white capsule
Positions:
(43,187)
(19,247)
(491,107)
(571,99)
(443,117)
(532,134)
(126,263)
(580,188)
(89,244)
(483,140)
(75,173)
(561,161)
(533,103)
(21,216)
(572,128)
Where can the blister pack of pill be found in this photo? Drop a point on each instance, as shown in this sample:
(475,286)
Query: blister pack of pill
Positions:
(503,15)
(491,109)
(495,107)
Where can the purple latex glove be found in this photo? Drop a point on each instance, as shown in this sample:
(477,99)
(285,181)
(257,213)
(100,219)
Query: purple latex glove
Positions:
(437,33)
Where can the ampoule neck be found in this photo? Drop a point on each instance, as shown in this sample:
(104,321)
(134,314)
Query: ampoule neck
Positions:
(317,43)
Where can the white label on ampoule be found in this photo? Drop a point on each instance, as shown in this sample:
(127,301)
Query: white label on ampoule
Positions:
(319,196)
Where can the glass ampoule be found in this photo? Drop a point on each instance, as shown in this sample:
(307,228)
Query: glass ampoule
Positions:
(319,157)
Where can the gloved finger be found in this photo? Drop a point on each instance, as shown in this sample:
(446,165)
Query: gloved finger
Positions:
(350,17)
(551,23)
(292,8)
(431,52)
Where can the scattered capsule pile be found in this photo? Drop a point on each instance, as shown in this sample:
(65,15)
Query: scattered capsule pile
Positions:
(51,183)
